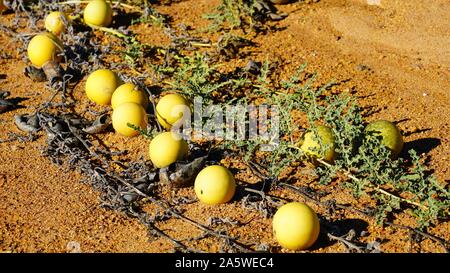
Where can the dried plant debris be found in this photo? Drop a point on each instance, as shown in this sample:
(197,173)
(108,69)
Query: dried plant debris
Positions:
(68,144)
(182,174)
(27,123)
(35,74)
(184,40)
(100,124)
(256,203)
(150,15)
(354,246)
(229,46)
(214,221)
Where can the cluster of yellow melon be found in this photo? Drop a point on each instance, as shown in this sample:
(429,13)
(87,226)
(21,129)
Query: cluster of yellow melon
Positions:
(129,103)
(104,87)
(45,47)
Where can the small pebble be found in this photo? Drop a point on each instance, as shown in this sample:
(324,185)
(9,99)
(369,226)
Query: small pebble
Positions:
(15,148)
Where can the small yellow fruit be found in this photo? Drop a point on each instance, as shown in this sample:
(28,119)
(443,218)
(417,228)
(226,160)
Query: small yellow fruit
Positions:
(296,226)
(98,13)
(100,86)
(55,22)
(166,148)
(215,185)
(390,134)
(128,92)
(311,145)
(129,113)
(170,109)
(43,48)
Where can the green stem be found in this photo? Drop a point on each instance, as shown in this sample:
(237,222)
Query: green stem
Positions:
(113,32)
(376,188)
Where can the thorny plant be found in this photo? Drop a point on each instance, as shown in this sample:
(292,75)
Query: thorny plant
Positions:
(126,191)
(366,162)
(394,184)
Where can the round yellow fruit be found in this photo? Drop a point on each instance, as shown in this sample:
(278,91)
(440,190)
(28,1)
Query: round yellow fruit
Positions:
(390,135)
(55,22)
(128,92)
(129,113)
(100,86)
(170,109)
(311,144)
(295,226)
(215,185)
(166,148)
(98,13)
(43,48)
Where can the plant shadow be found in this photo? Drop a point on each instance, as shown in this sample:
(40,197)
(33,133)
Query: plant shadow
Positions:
(416,132)
(370,110)
(423,145)
(123,19)
(12,104)
(338,228)
(401,121)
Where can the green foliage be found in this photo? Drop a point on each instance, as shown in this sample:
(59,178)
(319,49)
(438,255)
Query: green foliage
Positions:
(196,77)
(151,16)
(228,45)
(242,14)
(132,53)
(366,162)
(395,184)
(149,133)
(427,190)
(232,13)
